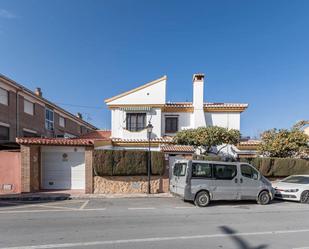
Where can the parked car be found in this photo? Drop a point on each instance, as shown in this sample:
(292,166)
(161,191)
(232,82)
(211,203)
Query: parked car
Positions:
(205,181)
(294,188)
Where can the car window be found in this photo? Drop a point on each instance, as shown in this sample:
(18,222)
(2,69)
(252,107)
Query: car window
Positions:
(249,172)
(201,170)
(297,179)
(179,169)
(224,172)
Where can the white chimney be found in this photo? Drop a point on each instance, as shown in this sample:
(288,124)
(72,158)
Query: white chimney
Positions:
(198,100)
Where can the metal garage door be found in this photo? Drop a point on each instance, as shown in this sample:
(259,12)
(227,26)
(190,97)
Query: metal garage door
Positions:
(63,167)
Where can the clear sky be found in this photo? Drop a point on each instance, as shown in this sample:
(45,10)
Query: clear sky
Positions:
(81,52)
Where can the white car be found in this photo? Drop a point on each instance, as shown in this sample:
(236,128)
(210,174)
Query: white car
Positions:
(294,188)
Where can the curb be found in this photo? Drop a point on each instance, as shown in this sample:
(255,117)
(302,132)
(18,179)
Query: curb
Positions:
(62,197)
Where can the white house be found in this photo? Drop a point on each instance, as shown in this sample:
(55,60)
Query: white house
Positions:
(131,111)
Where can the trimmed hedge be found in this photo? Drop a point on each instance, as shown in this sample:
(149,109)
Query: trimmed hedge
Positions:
(280,167)
(127,163)
(207,158)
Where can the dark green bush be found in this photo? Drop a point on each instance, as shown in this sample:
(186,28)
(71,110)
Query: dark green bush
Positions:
(157,163)
(126,163)
(207,158)
(280,167)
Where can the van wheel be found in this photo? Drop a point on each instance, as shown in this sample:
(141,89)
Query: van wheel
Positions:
(264,198)
(202,199)
(304,198)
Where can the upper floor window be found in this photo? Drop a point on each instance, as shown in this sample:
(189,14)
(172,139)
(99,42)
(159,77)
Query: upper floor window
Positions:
(4,97)
(28,107)
(135,121)
(49,119)
(4,133)
(171,124)
(61,121)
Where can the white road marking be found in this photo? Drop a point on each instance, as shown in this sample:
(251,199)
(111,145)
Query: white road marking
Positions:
(142,208)
(84,204)
(50,210)
(302,247)
(155,239)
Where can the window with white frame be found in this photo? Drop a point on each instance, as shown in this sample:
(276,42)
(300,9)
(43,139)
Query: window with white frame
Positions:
(28,107)
(135,121)
(49,119)
(4,97)
(61,121)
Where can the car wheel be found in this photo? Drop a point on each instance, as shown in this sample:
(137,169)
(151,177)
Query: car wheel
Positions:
(304,198)
(264,198)
(202,199)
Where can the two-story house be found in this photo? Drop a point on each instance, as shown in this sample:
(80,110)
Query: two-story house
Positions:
(24,113)
(133,110)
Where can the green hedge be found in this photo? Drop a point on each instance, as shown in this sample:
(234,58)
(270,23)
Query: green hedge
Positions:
(207,158)
(280,167)
(126,163)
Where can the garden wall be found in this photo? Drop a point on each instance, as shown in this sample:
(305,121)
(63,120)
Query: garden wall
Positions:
(125,172)
(129,184)
(10,172)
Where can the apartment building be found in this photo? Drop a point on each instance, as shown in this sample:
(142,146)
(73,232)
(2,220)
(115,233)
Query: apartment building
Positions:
(24,113)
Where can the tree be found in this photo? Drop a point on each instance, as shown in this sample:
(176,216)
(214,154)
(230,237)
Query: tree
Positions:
(284,142)
(205,138)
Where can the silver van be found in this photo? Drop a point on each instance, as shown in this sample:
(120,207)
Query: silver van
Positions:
(204,181)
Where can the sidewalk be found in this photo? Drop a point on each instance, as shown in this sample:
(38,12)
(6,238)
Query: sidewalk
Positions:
(68,195)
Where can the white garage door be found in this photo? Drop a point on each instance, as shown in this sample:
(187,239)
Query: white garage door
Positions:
(63,167)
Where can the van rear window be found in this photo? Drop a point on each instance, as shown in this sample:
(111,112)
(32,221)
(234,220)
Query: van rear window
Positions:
(224,171)
(201,170)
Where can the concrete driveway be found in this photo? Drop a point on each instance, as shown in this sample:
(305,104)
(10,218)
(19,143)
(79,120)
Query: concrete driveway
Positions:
(152,223)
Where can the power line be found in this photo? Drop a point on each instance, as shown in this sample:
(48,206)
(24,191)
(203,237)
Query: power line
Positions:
(80,106)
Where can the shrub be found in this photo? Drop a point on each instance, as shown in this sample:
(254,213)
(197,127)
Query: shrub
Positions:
(157,163)
(280,167)
(126,163)
(207,158)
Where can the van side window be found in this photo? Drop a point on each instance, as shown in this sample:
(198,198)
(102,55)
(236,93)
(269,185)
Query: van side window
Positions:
(249,172)
(201,170)
(224,172)
(179,169)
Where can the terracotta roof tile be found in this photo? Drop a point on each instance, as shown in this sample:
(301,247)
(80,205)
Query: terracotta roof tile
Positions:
(54,141)
(178,148)
(213,105)
(97,135)
(139,140)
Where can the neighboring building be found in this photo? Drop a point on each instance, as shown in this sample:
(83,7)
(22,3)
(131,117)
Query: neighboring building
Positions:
(24,113)
(133,110)
(306,130)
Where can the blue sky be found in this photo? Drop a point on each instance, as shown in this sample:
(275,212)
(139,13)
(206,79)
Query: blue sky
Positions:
(81,52)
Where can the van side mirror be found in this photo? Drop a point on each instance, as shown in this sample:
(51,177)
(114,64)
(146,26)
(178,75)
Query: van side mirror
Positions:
(255,176)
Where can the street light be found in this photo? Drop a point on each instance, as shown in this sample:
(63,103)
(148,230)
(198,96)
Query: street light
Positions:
(149,131)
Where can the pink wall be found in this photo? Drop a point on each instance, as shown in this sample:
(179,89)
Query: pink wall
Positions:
(10,172)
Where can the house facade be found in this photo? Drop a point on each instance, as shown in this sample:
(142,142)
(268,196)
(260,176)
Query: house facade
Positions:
(24,113)
(133,110)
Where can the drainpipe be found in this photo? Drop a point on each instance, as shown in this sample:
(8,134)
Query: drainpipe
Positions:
(17,113)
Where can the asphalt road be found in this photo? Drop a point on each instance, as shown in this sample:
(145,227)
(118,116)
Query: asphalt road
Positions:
(153,223)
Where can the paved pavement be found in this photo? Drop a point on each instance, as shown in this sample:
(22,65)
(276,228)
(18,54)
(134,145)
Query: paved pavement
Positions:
(152,223)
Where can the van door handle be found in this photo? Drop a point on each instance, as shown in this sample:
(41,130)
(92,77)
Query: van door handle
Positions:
(236,180)
(241,180)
